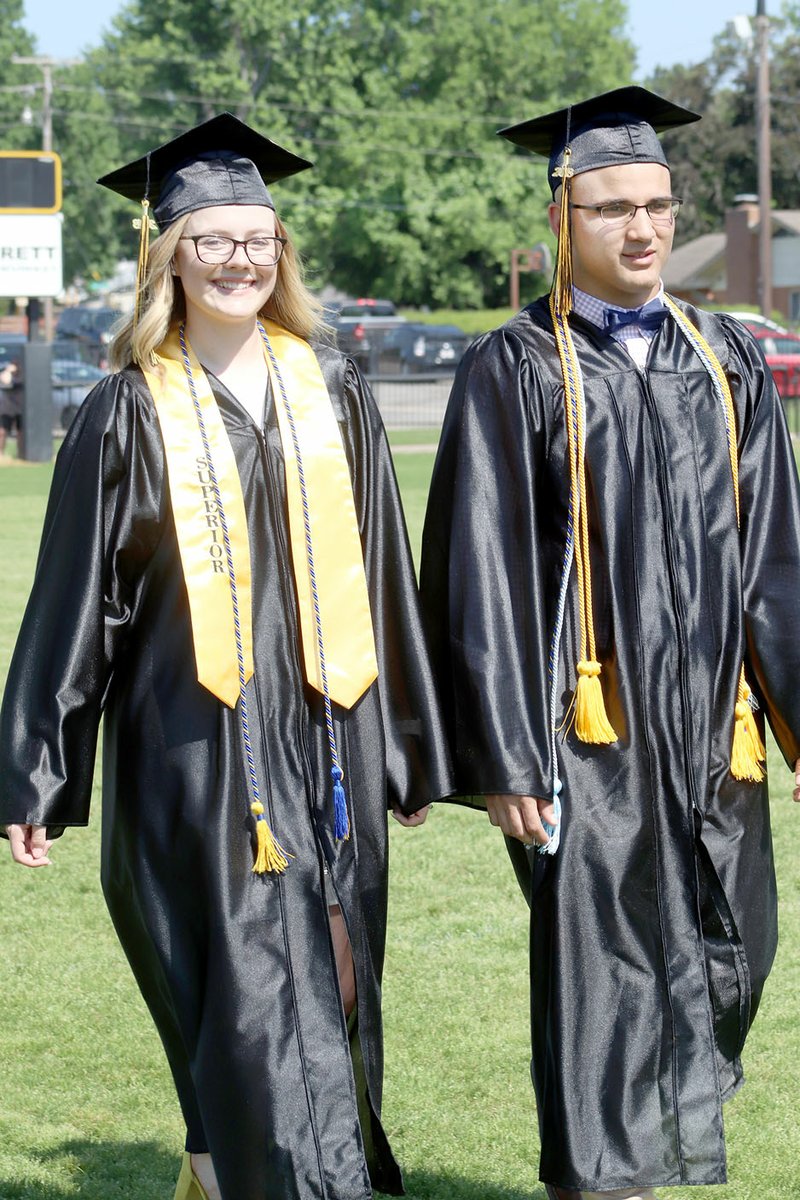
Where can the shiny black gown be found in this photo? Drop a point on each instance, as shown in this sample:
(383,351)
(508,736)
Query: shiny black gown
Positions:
(237,969)
(653,928)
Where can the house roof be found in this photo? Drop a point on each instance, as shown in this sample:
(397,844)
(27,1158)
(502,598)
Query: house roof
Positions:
(699,263)
(787,220)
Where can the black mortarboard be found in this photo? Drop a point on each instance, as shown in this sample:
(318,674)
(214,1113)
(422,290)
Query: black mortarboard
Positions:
(221,161)
(609,130)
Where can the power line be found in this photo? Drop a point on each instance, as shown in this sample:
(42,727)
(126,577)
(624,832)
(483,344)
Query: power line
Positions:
(457,118)
(371,147)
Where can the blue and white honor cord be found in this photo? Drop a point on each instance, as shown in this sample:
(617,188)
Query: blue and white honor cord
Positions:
(251,766)
(341,820)
(574,397)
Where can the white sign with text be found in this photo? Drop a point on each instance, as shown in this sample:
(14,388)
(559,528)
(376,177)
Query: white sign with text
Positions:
(30,255)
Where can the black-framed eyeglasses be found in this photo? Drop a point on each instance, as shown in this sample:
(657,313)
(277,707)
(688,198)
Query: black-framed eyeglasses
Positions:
(213,249)
(663,210)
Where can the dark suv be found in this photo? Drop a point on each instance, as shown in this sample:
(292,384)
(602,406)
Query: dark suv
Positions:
(92,327)
(360,326)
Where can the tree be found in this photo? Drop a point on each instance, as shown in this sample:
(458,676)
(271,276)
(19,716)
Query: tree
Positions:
(715,160)
(413,196)
(16,95)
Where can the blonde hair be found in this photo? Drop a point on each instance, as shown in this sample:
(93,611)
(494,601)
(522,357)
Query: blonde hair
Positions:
(162,303)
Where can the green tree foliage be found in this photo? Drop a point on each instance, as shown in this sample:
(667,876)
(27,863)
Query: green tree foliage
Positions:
(397,104)
(15,94)
(716,159)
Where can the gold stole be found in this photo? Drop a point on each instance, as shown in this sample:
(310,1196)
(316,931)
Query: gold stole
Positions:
(199,522)
(349,644)
(350,660)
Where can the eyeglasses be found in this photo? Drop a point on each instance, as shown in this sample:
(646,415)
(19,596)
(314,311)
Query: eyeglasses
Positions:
(213,249)
(662,211)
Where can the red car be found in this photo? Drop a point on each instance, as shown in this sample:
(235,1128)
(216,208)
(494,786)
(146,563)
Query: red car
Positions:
(782,352)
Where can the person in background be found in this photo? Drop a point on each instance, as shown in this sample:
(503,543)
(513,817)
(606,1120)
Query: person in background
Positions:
(225,576)
(11,402)
(611,572)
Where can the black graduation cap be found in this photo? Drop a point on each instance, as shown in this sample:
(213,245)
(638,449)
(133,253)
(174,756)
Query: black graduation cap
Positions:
(614,128)
(221,161)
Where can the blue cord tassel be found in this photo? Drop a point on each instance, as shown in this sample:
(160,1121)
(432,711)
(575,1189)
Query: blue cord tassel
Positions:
(341,821)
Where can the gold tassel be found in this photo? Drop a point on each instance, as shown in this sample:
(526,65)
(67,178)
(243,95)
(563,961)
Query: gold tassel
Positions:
(748,750)
(270,855)
(141,261)
(591,721)
(587,709)
(562,280)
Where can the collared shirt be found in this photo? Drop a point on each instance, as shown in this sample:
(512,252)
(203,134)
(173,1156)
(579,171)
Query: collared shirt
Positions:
(634,338)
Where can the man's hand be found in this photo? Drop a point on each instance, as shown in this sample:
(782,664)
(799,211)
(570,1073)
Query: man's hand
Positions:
(521,817)
(29,845)
(796,792)
(417,818)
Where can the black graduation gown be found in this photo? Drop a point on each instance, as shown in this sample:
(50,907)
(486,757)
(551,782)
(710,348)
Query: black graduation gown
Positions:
(653,928)
(237,969)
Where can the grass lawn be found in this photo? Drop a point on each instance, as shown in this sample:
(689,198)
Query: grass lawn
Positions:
(86,1104)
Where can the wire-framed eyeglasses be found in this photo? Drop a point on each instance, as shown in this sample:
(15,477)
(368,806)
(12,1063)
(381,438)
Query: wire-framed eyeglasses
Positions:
(214,249)
(662,211)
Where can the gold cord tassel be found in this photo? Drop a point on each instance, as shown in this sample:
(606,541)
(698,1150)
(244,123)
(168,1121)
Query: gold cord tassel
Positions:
(591,720)
(747,752)
(562,280)
(589,715)
(270,855)
(141,261)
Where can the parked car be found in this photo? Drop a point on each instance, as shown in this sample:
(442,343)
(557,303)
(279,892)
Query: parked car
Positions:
(71,376)
(415,347)
(360,326)
(92,327)
(72,381)
(782,352)
(11,347)
(366,307)
(755,321)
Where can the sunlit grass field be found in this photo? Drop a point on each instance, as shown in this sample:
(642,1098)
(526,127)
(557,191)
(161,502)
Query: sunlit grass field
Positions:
(86,1103)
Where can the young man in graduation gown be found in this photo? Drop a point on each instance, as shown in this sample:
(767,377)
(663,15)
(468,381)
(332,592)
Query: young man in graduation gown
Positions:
(225,576)
(611,573)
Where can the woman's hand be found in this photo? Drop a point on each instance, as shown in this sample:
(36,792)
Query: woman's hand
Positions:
(29,844)
(796,792)
(417,818)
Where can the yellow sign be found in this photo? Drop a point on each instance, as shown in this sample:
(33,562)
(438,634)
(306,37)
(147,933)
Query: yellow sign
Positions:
(30,181)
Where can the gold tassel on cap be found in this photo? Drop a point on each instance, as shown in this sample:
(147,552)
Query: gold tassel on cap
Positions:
(562,279)
(141,260)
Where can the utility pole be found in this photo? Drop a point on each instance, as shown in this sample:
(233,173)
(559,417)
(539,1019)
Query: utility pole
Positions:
(764,161)
(46,65)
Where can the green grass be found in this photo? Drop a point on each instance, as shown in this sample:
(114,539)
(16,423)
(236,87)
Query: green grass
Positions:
(478,320)
(86,1103)
(414,437)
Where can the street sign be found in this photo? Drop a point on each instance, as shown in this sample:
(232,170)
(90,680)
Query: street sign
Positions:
(30,256)
(30,181)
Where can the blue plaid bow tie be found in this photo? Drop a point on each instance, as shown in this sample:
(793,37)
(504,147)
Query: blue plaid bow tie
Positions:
(649,316)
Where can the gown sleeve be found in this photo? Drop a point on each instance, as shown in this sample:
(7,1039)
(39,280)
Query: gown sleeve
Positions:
(482,578)
(418,768)
(101,526)
(770,548)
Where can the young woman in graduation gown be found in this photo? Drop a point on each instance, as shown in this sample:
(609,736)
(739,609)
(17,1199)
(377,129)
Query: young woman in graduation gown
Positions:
(224,575)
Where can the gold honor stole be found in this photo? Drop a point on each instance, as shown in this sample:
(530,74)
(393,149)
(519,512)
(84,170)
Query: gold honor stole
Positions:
(338,561)
(198,521)
(349,643)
